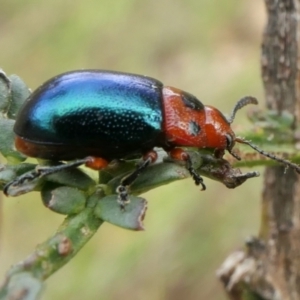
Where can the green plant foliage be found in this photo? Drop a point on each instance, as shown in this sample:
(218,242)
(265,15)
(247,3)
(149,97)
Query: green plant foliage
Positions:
(209,48)
(72,192)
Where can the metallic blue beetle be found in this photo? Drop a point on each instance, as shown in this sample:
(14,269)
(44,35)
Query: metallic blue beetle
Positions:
(98,116)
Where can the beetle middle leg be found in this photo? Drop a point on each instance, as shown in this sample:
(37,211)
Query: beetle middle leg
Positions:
(148,158)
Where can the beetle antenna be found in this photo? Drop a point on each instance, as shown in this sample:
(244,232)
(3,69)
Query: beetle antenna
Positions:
(240,104)
(264,153)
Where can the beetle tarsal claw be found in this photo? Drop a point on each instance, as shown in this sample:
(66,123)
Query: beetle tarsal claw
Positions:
(197,178)
(123,198)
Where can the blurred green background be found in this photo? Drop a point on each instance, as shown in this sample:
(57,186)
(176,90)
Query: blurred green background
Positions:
(209,48)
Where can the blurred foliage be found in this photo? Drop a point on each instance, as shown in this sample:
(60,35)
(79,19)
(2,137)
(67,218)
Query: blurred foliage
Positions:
(207,47)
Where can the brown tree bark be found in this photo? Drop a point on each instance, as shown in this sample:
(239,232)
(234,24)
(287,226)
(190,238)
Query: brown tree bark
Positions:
(269,267)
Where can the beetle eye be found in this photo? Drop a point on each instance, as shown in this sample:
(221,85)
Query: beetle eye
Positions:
(229,141)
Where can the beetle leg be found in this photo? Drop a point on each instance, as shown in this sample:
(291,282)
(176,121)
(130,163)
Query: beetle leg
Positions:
(196,177)
(43,171)
(95,163)
(123,199)
(181,155)
(27,182)
(16,186)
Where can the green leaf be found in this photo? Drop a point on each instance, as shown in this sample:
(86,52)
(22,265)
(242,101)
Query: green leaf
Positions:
(5,89)
(7,145)
(72,177)
(63,199)
(19,93)
(108,209)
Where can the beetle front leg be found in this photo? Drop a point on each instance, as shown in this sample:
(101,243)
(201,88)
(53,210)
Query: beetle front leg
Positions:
(196,177)
(181,155)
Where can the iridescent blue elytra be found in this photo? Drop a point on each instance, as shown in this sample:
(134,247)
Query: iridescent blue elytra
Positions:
(107,114)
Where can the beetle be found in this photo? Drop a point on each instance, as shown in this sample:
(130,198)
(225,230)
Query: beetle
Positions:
(99,116)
